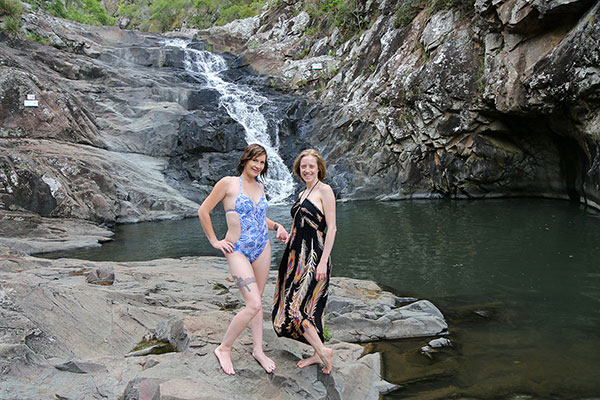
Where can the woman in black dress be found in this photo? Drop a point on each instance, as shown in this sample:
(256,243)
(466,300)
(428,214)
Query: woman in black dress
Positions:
(303,279)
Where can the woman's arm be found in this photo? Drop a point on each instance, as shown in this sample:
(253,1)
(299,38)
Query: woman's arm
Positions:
(328,201)
(216,195)
(282,234)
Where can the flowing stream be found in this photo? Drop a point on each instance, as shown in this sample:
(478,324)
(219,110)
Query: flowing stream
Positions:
(243,104)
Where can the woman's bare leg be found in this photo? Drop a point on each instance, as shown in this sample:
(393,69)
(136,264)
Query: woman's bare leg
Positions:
(243,275)
(324,353)
(261,268)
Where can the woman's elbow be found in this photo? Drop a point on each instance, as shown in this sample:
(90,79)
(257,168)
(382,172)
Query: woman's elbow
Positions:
(202,211)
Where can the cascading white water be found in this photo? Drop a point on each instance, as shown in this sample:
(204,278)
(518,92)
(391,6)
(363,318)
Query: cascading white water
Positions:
(243,105)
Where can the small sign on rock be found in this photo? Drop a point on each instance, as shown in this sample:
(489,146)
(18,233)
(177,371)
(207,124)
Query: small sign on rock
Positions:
(30,101)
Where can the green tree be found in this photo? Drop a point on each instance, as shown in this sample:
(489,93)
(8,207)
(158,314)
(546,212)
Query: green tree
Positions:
(168,14)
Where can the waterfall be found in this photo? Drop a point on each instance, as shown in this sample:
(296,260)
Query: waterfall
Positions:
(243,106)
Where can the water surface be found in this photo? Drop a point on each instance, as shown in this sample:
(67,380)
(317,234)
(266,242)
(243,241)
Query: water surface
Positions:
(518,281)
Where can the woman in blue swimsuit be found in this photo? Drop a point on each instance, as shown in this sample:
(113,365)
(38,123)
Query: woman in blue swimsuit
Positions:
(245,246)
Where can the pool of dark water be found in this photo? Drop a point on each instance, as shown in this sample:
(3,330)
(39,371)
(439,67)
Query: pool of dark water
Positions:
(517,279)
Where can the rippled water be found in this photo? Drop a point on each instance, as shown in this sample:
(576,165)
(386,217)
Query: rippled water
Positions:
(530,266)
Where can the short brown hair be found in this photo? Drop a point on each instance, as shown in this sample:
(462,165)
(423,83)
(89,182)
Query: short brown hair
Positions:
(252,151)
(320,163)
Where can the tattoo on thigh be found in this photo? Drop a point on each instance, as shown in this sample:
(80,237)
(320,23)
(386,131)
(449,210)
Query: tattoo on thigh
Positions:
(244,283)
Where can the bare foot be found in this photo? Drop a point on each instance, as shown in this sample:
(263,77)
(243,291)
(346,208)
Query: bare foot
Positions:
(328,361)
(314,359)
(264,361)
(224,357)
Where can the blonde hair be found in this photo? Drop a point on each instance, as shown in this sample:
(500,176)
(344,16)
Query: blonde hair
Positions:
(320,163)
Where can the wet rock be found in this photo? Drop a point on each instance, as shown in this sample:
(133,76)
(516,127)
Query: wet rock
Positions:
(427,351)
(440,342)
(30,233)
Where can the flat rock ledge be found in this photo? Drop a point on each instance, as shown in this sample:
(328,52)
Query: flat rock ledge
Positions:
(64,338)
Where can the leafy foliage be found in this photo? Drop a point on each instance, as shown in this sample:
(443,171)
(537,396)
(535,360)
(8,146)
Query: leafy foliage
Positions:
(36,38)
(165,15)
(214,12)
(345,14)
(11,25)
(89,12)
(408,9)
(12,8)
(326,334)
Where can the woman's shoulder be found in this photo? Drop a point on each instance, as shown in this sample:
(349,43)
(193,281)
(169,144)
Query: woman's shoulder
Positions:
(227,181)
(325,188)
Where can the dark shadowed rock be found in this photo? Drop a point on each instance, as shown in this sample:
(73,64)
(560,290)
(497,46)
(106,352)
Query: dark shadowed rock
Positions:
(79,367)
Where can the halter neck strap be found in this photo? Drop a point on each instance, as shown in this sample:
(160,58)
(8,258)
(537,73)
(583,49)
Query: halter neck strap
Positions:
(310,191)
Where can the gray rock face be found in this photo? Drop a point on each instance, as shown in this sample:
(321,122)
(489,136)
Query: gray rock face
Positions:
(121,128)
(89,150)
(61,337)
(499,101)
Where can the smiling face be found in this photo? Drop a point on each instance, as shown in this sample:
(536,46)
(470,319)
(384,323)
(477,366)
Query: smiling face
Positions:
(254,161)
(309,170)
(309,166)
(255,166)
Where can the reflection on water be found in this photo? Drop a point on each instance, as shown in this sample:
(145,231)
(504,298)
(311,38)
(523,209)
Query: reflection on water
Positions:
(530,267)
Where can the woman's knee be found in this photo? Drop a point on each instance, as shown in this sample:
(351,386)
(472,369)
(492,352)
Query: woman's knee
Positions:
(254,306)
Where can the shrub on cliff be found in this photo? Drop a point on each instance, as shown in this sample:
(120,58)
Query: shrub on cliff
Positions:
(165,15)
(348,15)
(11,25)
(11,11)
(406,11)
(90,12)
(12,8)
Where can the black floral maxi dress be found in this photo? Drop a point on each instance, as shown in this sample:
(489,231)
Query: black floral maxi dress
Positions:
(299,297)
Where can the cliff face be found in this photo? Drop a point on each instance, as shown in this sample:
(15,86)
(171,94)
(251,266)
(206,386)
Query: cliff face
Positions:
(122,132)
(500,100)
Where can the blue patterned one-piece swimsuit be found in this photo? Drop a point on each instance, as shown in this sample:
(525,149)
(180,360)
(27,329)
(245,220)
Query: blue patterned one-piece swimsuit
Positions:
(253,222)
